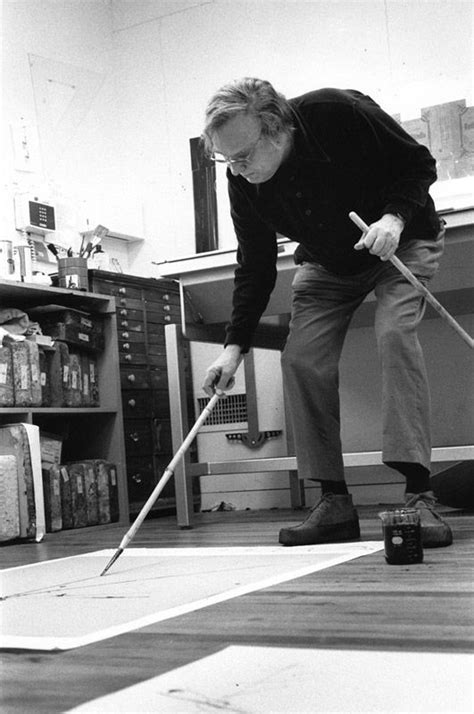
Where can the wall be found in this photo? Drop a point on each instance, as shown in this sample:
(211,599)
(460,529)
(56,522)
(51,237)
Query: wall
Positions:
(55,58)
(131,79)
(110,91)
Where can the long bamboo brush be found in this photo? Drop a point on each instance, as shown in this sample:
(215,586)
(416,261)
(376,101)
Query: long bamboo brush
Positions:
(163,480)
(419,286)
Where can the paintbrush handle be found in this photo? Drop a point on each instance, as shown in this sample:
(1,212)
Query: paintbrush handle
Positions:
(406,272)
(169,471)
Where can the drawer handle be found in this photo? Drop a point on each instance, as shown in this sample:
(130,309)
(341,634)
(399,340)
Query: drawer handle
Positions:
(123,312)
(124,323)
(122,291)
(167,318)
(167,308)
(125,335)
(123,301)
(126,346)
(131,402)
(165,296)
(128,358)
(131,378)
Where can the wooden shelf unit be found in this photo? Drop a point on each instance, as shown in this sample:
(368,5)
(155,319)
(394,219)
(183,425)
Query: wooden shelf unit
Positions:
(88,432)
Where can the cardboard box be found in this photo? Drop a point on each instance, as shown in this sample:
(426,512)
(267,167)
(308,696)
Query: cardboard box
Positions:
(22,441)
(72,326)
(9,506)
(52,498)
(51,447)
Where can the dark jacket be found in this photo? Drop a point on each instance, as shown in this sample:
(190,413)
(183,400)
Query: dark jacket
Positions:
(347,155)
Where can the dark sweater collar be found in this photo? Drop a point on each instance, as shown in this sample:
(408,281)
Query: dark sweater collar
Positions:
(306,146)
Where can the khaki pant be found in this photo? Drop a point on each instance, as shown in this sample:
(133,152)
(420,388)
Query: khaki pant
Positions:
(323,304)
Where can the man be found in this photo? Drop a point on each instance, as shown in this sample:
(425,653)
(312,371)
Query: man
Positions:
(298,167)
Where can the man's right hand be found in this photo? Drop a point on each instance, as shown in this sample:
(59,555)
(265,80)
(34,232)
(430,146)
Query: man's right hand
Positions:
(220,375)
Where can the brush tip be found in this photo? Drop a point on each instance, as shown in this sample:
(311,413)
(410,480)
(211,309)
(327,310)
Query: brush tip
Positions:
(112,561)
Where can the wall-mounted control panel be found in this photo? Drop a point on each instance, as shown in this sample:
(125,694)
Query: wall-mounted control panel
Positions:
(34,216)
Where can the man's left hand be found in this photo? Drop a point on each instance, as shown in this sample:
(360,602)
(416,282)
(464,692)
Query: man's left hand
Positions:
(383,236)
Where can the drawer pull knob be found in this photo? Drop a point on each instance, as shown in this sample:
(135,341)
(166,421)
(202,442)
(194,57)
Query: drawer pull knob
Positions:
(167,318)
(131,402)
(166,296)
(123,312)
(167,308)
(126,346)
(123,301)
(128,358)
(131,377)
(122,291)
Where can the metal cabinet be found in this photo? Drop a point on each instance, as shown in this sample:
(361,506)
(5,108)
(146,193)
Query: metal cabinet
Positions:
(143,307)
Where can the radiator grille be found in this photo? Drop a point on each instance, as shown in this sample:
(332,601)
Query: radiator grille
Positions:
(229,410)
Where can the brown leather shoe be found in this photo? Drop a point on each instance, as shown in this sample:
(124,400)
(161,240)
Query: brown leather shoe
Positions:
(331,520)
(435,532)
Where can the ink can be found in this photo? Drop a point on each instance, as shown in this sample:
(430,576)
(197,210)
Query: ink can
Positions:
(402,536)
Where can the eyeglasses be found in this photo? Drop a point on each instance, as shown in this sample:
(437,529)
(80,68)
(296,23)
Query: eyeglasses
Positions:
(243,160)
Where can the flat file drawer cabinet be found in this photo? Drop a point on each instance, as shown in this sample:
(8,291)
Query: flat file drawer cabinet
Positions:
(144,306)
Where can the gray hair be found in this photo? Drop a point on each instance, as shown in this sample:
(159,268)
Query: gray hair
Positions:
(249,95)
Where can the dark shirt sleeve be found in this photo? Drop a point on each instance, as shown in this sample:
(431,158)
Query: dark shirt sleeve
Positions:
(406,167)
(255,274)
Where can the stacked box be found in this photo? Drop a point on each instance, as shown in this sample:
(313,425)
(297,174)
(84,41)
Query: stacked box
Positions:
(9,504)
(93,382)
(86,387)
(31,375)
(22,441)
(90,385)
(89,492)
(58,370)
(36,391)
(74,391)
(78,494)
(92,494)
(7,398)
(52,498)
(51,448)
(26,374)
(103,490)
(66,498)
(72,326)
(84,493)
(21,374)
(51,445)
(108,491)
(113,493)
(45,378)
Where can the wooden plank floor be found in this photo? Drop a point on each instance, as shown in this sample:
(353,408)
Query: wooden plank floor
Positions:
(361,604)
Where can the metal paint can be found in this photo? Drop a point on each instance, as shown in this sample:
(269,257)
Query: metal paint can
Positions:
(72,273)
(402,536)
